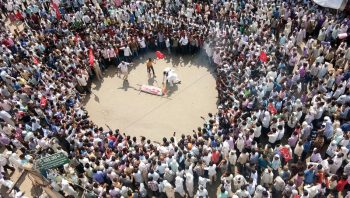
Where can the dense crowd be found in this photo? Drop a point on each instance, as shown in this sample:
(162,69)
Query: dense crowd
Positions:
(282,126)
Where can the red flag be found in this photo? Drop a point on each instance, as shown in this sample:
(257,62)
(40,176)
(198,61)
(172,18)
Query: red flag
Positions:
(285,153)
(35,60)
(91,57)
(160,55)
(57,10)
(263,57)
(43,101)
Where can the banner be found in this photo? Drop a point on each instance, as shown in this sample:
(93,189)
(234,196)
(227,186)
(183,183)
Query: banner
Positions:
(52,161)
(335,4)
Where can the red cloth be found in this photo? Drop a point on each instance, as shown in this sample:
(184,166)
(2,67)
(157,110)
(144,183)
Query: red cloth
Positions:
(57,10)
(285,153)
(160,55)
(272,108)
(35,60)
(91,57)
(43,101)
(263,57)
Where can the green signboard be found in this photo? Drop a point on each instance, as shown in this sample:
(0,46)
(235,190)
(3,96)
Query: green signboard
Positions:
(52,161)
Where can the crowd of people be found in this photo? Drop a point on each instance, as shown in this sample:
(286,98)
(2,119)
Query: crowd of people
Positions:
(282,126)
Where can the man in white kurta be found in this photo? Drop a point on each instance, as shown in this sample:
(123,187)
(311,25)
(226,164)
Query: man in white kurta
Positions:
(179,185)
(189,181)
(168,189)
(123,66)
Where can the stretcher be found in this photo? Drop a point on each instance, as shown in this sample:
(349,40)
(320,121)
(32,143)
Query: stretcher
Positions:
(152,90)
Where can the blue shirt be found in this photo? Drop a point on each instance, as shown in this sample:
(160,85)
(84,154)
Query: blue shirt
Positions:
(277,87)
(99,177)
(283,40)
(309,176)
(262,163)
(307,146)
(281,66)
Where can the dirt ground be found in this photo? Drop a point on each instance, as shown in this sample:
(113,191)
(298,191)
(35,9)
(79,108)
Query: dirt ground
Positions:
(120,105)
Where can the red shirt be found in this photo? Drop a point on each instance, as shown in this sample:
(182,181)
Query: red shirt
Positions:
(112,137)
(319,177)
(341,184)
(198,8)
(215,156)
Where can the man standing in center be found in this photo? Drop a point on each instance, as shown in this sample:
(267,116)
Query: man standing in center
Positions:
(123,66)
(150,63)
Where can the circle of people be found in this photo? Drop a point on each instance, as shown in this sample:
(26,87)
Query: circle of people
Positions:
(282,126)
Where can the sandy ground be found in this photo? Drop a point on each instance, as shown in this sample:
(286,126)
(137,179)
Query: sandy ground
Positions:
(121,105)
